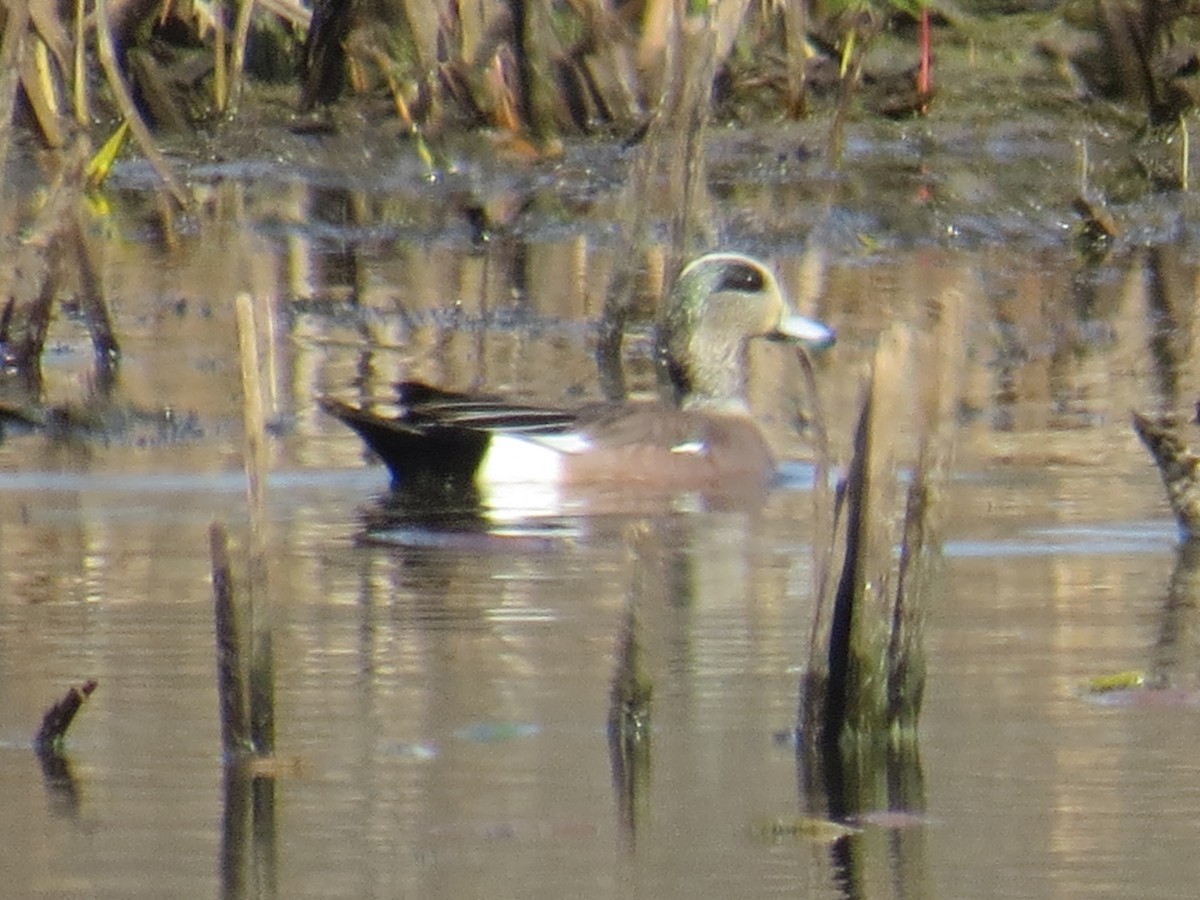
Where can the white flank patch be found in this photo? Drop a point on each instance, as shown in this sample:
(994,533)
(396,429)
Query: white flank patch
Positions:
(511,460)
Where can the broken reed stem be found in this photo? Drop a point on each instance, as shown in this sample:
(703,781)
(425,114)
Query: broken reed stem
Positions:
(220,78)
(112,72)
(254,451)
(79,75)
(231,688)
(59,717)
(264,313)
(795,23)
(253,421)
(241,35)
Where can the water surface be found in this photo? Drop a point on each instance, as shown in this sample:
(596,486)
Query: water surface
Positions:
(442,700)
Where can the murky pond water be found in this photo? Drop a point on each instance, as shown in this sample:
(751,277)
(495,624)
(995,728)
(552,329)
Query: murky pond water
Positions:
(442,700)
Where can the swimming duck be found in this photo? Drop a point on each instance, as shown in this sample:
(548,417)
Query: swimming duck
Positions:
(705,439)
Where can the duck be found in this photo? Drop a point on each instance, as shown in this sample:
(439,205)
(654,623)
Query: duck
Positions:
(700,436)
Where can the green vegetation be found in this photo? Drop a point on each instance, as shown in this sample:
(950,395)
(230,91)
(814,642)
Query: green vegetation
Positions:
(540,70)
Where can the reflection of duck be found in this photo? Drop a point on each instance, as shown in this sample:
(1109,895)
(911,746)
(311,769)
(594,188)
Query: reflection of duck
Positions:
(706,439)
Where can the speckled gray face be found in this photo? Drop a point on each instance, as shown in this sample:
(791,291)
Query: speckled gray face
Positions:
(720,302)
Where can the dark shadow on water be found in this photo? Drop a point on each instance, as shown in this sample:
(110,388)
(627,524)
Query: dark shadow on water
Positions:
(456,518)
(234,833)
(630,695)
(436,508)
(1172,677)
(879,788)
(62,791)
(629,733)
(530,518)
(1169,299)
(248,861)
(1175,658)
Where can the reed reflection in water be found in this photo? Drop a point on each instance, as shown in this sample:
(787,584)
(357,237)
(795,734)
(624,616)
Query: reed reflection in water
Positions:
(448,704)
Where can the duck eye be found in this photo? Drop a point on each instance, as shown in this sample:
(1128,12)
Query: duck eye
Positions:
(741,277)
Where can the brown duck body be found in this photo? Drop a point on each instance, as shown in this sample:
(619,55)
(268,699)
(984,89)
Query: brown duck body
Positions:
(706,439)
(455,438)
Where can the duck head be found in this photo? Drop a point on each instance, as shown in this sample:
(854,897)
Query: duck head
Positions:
(718,304)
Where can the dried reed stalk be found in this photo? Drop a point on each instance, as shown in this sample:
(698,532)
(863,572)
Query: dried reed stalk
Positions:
(79,75)
(141,133)
(254,450)
(220,59)
(237,67)
(12,48)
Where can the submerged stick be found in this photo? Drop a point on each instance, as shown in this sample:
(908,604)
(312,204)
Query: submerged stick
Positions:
(231,688)
(59,717)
